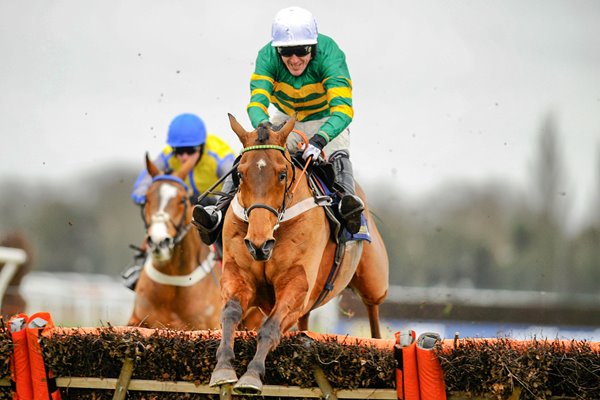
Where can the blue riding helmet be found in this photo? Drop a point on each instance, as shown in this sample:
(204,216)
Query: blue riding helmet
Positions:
(186,130)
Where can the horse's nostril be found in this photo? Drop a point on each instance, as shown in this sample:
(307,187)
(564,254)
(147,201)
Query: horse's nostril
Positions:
(262,253)
(268,246)
(166,242)
(250,247)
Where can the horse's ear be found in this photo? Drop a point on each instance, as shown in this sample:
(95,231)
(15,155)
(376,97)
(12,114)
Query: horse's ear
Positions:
(287,128)
(151,168)
(187,166)
(237,128)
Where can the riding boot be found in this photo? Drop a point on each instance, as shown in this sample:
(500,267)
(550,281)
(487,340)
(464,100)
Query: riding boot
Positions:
(351,206)
(132,273)
(209,219)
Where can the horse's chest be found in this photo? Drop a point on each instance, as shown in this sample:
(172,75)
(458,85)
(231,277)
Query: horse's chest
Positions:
(265,298)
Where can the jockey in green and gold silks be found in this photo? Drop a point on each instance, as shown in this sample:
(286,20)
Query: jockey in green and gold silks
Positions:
(323,91)
(215,161)
(304,73)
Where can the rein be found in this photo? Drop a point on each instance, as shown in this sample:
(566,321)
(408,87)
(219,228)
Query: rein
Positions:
(301,174)
(305,139)
(217,183)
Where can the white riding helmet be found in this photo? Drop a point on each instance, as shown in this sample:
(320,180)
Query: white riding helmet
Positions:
(294,26)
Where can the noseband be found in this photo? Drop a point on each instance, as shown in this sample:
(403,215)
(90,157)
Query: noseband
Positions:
(280,213)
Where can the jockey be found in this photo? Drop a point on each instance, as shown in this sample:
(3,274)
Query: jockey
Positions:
(186,136)
(301,72)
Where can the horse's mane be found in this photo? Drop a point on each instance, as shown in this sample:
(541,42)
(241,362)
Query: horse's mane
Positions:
(263,135)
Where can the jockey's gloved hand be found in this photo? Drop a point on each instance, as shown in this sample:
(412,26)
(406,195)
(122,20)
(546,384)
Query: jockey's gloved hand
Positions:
(138,199)
(298,157)
(314,148)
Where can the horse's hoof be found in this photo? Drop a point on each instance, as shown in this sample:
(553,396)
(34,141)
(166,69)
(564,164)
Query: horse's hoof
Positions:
(222,376)
(248,384)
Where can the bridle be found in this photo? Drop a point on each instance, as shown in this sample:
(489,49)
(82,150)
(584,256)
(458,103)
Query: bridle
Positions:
(287,196)
(203,267)
(181,228)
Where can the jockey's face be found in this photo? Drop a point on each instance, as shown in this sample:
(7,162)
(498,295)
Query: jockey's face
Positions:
(183,157)
(184,153)
(296,65)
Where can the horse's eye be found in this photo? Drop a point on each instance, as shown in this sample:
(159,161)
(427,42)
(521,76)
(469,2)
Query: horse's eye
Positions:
(240,176)
(282,176)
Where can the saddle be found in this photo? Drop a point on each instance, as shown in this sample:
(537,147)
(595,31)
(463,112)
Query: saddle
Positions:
(321,179)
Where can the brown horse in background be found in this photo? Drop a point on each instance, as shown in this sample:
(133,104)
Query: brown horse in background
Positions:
(277,254)
(178,286)
(12,300)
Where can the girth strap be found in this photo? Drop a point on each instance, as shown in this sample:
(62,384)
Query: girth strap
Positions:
(335,269)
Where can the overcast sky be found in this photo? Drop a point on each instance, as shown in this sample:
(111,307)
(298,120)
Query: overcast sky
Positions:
(442,89)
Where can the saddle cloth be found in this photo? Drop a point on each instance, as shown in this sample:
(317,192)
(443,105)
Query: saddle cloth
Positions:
(320,178)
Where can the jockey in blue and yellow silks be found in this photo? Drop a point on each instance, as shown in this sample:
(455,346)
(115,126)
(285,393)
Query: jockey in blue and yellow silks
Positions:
(215,161)
(186,136)
(302,72)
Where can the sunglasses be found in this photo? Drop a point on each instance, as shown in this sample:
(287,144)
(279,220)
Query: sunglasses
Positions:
(299,51)
(186,150)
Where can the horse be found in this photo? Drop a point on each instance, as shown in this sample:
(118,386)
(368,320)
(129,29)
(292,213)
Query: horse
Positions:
(178,286)
(278,253)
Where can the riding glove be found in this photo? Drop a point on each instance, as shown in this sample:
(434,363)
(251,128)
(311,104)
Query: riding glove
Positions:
(315,145)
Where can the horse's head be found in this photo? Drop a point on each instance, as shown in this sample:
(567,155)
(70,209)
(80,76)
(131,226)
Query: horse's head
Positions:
(266,173)
(167,211)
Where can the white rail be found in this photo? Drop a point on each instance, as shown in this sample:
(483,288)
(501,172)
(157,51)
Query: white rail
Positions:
(12,259)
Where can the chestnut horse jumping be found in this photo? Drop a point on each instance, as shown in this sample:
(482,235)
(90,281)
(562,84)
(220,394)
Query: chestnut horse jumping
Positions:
(178,286)
(278,253)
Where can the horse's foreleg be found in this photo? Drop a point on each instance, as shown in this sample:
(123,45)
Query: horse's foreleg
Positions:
(269,336)
(230,318)
(290,294)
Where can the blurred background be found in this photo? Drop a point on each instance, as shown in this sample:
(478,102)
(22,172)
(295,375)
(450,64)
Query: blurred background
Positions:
(476,137)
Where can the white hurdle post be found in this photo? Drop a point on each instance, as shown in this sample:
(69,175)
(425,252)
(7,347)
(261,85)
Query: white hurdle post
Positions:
(12,259)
